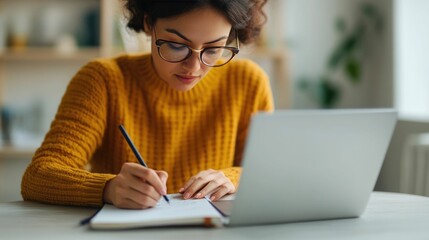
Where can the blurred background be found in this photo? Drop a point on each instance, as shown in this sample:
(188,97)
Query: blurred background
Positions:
(319,54)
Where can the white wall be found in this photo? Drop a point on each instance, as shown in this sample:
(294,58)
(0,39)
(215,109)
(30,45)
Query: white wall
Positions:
(311,36)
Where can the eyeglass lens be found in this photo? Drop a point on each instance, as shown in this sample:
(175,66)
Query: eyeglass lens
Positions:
(176,52)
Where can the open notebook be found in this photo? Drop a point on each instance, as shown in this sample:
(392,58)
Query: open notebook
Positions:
(322,164)
(178,212)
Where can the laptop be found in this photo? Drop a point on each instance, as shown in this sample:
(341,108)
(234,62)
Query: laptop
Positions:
(306,165)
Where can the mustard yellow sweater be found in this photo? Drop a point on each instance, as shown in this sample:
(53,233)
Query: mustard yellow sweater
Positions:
(179,132)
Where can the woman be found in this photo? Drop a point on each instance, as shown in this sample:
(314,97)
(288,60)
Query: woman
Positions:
(186,106)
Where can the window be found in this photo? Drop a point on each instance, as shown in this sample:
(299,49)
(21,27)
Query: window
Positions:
(412,58)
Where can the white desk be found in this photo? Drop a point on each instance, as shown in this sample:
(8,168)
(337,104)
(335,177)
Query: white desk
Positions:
(388,216)
(13,162)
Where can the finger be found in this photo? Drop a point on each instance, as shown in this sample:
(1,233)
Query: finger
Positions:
(127,204)
(135,182)
(142,200)
(193,178)
(163,175)
(194,187)
(140,185)
(146,189)
(150,176)
(187,184)
(132,199)
(221,191)
(197,185)
(153,179)
(210,187)
(133,204)
(217,177)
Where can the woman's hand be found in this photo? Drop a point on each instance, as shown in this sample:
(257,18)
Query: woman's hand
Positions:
(206,182)
(136,187)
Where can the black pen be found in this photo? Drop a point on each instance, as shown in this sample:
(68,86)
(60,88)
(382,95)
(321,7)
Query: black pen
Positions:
(136,152)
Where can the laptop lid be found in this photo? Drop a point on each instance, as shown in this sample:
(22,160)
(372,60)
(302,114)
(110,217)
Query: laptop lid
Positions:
(302,165)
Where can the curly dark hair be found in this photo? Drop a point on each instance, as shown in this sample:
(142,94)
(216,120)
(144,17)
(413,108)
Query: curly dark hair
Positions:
(245,16)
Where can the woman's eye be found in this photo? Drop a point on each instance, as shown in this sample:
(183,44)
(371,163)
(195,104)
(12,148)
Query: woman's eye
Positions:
(176,46)
(213,51)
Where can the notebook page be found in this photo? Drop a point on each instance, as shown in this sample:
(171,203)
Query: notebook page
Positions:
(177,211)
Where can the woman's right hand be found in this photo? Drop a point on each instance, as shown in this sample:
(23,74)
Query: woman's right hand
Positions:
(136,187)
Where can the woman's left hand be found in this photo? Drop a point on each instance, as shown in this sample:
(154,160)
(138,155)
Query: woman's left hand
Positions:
(206,182)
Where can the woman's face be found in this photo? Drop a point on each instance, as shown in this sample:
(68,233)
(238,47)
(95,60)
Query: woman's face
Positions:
(197,29)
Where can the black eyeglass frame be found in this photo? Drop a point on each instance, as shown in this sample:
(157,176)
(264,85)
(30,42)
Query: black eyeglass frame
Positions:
(234,50)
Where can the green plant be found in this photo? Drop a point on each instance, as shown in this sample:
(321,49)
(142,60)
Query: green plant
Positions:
(347,56)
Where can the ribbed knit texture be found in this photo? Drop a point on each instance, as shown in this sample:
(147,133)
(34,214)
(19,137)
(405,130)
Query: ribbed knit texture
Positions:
(179,132)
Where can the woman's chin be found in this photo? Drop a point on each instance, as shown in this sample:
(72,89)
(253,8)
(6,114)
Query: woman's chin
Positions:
(184,84)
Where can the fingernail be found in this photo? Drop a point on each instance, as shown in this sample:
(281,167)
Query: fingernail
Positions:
(212,198)
(198,195)
(163,192)
(181,190)
(187,195)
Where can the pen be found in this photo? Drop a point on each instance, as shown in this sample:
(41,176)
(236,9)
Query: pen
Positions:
(136,152)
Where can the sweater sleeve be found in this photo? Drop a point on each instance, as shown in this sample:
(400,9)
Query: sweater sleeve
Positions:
(258,97)
(57,172)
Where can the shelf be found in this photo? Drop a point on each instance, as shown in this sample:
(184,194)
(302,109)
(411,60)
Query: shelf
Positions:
(16,152)
(47,53)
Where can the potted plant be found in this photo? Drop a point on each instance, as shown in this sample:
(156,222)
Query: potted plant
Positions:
(347,56)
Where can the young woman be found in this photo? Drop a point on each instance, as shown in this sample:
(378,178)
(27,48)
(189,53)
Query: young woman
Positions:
(186,106)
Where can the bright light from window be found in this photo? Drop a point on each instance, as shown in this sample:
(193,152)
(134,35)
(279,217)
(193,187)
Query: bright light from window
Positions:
(412,57)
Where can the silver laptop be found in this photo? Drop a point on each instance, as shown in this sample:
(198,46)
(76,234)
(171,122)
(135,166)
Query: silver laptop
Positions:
(304,165)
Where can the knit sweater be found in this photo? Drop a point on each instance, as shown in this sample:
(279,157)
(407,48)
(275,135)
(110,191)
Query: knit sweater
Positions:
(180,132)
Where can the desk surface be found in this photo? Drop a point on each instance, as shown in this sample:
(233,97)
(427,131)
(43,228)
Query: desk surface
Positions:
(388,216)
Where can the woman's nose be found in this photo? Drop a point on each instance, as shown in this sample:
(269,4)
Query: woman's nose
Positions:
(193,63)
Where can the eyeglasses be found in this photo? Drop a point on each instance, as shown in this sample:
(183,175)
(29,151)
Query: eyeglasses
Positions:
(175,52)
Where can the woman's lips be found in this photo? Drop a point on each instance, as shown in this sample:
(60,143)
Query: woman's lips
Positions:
(186,79)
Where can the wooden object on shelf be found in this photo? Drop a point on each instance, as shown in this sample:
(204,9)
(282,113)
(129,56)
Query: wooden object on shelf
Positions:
(47,53)
(108,9)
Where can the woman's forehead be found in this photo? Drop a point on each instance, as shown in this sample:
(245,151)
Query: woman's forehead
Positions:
(205,24)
